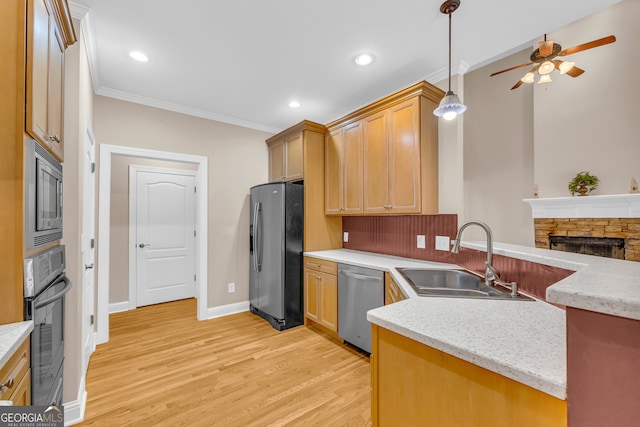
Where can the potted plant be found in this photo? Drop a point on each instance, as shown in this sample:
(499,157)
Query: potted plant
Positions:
(583,183)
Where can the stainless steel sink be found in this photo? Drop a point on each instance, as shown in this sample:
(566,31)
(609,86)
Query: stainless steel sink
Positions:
(454,283)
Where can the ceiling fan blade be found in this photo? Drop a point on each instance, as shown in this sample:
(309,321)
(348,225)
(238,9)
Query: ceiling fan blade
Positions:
(575,71)
(517,85)
(589,45)
(545,47)
(509,69)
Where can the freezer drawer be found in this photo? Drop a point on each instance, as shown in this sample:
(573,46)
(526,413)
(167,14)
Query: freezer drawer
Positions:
(359,290)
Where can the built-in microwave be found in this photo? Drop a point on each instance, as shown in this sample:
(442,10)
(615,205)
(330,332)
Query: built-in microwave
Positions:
(43,204)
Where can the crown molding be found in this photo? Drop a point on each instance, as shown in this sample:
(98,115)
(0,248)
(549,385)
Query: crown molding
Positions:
(85,16)
(443,73)
(177,108)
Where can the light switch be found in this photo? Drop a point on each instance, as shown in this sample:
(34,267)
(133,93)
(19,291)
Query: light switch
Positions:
(345,236)
(421,242)
(442,243)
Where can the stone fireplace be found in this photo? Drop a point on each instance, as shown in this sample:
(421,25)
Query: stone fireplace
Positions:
(595,225)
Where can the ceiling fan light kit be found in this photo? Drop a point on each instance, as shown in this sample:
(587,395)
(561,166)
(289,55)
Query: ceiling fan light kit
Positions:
(450,106)
(545,62)
(566,66)
(545,78)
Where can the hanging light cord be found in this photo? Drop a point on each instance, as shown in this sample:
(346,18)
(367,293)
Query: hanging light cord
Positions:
(450,13)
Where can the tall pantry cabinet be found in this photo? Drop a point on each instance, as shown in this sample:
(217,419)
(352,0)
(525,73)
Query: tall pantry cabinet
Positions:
(34,34)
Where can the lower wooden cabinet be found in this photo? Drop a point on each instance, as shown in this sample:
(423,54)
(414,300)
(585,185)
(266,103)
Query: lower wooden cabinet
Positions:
(417,385)
(15,377)
(321,292)
(392,291)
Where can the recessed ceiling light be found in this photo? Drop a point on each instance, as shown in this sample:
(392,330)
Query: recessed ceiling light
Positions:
(138,56)
(294,104)
(364,59)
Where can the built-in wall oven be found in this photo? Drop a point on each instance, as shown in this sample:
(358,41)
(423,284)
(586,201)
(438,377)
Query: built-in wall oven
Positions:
(45,286)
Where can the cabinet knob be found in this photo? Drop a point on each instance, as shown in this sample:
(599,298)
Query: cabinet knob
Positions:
(54,138)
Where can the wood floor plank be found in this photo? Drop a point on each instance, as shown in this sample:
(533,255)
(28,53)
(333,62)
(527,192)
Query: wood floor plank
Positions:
(163,367)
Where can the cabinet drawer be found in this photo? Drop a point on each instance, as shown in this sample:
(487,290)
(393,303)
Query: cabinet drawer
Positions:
(14,370)
(321,265)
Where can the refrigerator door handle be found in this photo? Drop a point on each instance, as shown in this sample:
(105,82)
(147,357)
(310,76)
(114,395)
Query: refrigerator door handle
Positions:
(255,237)
(258,247)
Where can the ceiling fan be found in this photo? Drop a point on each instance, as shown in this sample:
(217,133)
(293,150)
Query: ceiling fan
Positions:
(545,62)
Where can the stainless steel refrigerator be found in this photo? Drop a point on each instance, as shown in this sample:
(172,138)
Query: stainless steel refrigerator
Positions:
(275,234)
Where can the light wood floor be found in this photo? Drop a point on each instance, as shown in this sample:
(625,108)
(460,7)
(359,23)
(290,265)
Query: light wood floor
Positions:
(163,367)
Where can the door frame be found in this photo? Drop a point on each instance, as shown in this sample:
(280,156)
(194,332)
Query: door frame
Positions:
(133,255)
(107,151)
(89,216)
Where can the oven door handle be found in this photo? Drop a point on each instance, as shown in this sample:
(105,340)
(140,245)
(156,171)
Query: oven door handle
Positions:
(57,296)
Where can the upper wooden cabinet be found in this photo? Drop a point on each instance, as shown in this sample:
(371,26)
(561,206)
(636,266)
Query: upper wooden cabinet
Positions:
(49,32)
(343,185)
(399,159)
(286,152)
(297,153)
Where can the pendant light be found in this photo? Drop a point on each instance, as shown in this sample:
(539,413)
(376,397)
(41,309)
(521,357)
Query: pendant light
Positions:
(450,106)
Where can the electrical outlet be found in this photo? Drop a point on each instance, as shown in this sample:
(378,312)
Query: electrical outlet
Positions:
(421,241)
(232,287)
(345,236)
(442,243)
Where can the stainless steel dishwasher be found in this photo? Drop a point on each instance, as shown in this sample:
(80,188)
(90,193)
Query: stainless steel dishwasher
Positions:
(359,290)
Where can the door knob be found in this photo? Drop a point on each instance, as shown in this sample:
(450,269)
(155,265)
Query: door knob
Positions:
(88,266)
(142,245)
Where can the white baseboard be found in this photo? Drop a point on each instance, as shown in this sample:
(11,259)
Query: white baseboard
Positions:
(74,411)
(225,310)
(116,307)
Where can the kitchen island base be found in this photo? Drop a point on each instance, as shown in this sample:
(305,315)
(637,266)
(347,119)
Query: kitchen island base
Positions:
(414,384)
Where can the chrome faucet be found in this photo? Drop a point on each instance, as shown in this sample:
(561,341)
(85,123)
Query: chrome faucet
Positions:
(490,274)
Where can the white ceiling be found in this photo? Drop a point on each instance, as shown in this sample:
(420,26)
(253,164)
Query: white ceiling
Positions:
(243,61)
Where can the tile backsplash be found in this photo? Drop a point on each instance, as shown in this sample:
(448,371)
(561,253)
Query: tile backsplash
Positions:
(396,235)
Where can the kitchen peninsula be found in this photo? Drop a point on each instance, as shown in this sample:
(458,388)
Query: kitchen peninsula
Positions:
(504,362)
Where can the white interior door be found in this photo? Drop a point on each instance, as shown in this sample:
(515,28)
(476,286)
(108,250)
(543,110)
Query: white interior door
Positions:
(88,249)
(165,235)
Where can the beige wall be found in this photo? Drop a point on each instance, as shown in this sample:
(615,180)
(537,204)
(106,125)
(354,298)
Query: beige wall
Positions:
(591,122)
(78,99)
(545,134)
(119,226)
(237,160)
(498,152)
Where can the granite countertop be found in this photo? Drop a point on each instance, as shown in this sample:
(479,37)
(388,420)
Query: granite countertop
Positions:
(603,285)
(522,340)
(11,336)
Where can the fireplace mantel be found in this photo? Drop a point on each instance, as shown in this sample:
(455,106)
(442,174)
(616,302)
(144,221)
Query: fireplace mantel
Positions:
(605,206)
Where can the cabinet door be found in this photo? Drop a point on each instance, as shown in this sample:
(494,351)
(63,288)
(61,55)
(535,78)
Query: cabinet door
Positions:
(404,157)
(312,282)
(293,162)
(21,395)
(276,161)
(329,301)
(352,169)
(333,149)
(375,162)
(392,291)
(37,98)
(56,83)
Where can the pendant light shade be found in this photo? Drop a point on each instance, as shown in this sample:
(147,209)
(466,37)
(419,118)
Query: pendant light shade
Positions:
(450,106)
